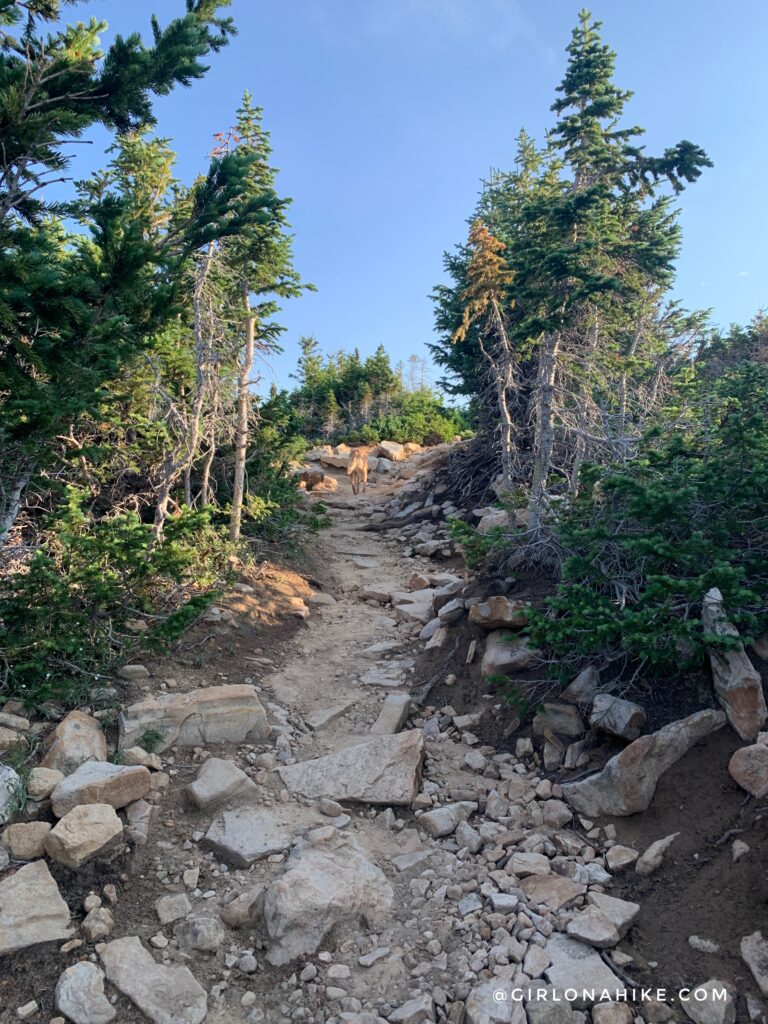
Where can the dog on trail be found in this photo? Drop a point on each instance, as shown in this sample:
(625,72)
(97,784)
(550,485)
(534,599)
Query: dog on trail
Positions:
(357,468)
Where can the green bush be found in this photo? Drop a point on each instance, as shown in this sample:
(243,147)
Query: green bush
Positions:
(646,541)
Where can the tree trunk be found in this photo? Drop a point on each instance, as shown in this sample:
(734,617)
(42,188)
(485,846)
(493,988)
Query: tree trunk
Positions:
(243,410)
(12,503)
(545,427)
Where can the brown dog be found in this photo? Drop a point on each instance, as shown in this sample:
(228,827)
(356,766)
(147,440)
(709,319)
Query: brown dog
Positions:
(357,468)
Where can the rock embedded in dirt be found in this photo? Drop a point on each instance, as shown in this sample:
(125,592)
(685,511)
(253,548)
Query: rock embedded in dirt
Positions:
(133,673)
(737,683)
(748,767)
(80,995)
(98,924)
(712,1002)
(320,718)
(76,739)
(627,783)
(84,833)
(592,927)
(420,1010)
(139,817)
(167,995)
(617,717)
(202,932)
(553,891)
(619,857)
(231,713)
(393,714)
(218,780)
(246,909)
(243,835)
(621,913)
(503,653)
(558,718)
(32,910)
(754,953)
(172,907)
(26,840)
(328,879)
(494,1002)
(384,770)
(99,782)
(581,970)
(650,861)
(499,613)
(583,688)
(444,820)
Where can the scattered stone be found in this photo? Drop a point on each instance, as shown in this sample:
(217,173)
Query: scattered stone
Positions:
(245,910)
(172,908)
(138,756)
(218,780)
(558,718)
(580,969)
(711,1003)
(230,713)
(393,714)
(328,879)
(32,910)
(76,739)
(499,613)
(523,864)
(620,857)
(28,1010)
(754,953)
(738,686)
(748,767)
(133,673)
(99,782)
(444,820)
(650,861)
(738,850)
(703,945)
(593,927)
(42,782)
(467,837)
(140,816)
(627,783)
(612,1013)
(26,840)
(384,770)
(98,924)
(505,654)
(167,995)
(84,833)
(369,959)
(621,913)
(618,717)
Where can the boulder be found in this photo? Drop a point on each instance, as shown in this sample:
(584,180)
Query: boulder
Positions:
(627,783)
(85,832)
(384,770)
(620,857)
(580,970)
(498,518)
(499,613)
(592,927)
(26,840)
(504,653)
(172,907)
(167,995)
(749,768)
(754,953)
(737,683)
(100,782)
(328,879)
(216,714)
(559,718)
(32,910)
(393,451)
(77,738)
(80,995)
(11,791)
(616,716)
(218,780)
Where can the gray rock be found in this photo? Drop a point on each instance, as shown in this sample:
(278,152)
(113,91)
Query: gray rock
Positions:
(505,654)
(444,820)
(583,688)
(322,717)
(415,1011)
(172,907)
(32,910)
(578,967)
(627,783)
(467,837)
(495,1002)
(618,717)
(384,770)
(651,859)
(247,834)
(11,791)
(218,780)
(558,718)
(712,1002)
(393,714)
(202,932)
(167,995)
(328,879)
(80,995)
(754,953)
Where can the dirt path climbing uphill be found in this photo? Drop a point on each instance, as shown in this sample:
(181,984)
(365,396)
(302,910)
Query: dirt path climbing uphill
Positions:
(305,841)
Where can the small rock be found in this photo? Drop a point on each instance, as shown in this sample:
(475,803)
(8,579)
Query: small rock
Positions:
(650,861)
(754,953)
(98,924)
(84,833)
(172,908)
(617,717)
(711,1003)
(26,840)
(80,995)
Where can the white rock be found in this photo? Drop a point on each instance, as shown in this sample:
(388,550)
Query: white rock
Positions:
(32,910)
(578,967)
(218,780)
(99,782)
(495,1002)
(754,953)
(167,995)
(444,819)
(651,859)
(80,995)
(710,1003)
(618,717)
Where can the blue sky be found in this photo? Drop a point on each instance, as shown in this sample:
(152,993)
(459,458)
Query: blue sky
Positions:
(385,114)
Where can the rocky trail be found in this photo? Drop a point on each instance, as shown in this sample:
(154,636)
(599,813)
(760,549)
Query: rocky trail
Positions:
(295,823)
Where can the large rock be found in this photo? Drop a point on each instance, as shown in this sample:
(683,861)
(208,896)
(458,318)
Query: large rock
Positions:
(737,683)
(31,909)
(328,879)
(384,770)
(167,995)
(444,820)
(499,613)
(754,953)
(552,891)
(618,717)
(77,738)
(583,688)
(85,832)
(218,780)
(627,783)
(247,834)
(504,653)
(215,714)
(712,1002)
(579,970)
(26,840)
(80,995)
(393,714)
(561,718)
(100,782)
(393,451)
(11,791)
(749,768)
